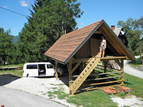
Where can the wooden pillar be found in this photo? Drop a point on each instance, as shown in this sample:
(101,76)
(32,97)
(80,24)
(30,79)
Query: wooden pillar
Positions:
(70,75)
(56,69)
(69,71)
(122,72)
(105,65)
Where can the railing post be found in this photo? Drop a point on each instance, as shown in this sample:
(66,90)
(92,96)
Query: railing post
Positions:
(70,75)
(122,70)
(56,69)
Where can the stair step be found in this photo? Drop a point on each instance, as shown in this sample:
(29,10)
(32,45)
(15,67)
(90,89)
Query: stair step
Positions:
(84,74)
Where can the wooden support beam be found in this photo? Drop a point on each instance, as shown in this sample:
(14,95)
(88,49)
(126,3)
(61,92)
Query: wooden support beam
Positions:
(105,66)
(69,70)
(118,81)
(122,70)
(75,67)
(104,78)
(56,68)
(103,58)
(70,75)
(110,73)
(93,88)
(113,57)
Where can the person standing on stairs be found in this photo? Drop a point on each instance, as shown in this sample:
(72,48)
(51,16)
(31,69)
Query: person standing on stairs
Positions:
(103,46)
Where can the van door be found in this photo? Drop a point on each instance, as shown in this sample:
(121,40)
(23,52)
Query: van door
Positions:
(50,70)
(41,70)
(31,70)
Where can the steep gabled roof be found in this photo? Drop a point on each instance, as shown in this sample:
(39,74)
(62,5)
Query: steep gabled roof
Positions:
(67,45)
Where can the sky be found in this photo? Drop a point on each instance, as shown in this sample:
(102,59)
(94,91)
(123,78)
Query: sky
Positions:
(94,10)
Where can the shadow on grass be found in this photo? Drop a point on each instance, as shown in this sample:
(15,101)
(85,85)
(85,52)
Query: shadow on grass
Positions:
(7,78)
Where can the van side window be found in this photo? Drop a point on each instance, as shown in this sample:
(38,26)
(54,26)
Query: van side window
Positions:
(49,66)
(31,66)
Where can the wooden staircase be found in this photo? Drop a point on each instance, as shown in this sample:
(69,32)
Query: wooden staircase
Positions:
(84,74)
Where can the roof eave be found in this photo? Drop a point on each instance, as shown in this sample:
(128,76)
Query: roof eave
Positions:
(129,55)
(87,38)
(54,59)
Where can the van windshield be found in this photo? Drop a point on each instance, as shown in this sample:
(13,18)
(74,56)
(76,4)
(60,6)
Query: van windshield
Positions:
(49,66)
(34,66)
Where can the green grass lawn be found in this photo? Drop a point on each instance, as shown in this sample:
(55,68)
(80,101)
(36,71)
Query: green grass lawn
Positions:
(95,98)
(17,73)
(98,98)
(136,84)
(12,72)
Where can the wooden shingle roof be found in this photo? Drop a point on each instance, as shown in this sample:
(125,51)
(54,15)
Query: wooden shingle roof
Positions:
(67,45)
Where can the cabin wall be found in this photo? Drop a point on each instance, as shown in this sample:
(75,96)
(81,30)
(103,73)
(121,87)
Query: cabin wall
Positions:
(94,46)
(91,48)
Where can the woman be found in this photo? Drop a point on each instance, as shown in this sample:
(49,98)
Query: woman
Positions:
(103,47)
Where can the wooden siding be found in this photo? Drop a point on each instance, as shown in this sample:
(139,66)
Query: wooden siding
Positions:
(94,46)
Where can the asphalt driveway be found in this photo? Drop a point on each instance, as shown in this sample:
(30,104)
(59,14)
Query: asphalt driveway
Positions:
(16,98)
(132,71)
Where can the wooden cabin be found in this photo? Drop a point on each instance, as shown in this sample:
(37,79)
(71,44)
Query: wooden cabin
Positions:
(79,51)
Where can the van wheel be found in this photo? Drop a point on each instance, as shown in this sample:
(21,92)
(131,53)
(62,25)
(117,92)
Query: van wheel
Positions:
(27,75)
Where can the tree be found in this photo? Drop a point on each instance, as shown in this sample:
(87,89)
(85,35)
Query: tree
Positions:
(6,47)
(134,29)
(49,19)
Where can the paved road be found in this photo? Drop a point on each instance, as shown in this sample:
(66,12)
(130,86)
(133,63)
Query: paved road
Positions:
(16,98)
(132,71)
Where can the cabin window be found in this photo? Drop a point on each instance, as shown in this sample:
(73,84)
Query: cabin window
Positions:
(32,66)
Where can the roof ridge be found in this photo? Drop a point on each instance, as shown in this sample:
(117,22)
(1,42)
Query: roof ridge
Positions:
(95,23)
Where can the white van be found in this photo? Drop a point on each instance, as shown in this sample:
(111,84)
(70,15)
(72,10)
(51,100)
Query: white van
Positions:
(38,69)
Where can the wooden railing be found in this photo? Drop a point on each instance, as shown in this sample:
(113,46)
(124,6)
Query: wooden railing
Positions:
(84,74)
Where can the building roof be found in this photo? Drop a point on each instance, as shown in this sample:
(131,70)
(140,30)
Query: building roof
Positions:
(117,31)
(67,45)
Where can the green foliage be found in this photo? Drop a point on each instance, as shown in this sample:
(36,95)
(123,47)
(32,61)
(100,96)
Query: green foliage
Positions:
(137,61)
(49,19)
(11,65)
(6,47)
(134,29)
